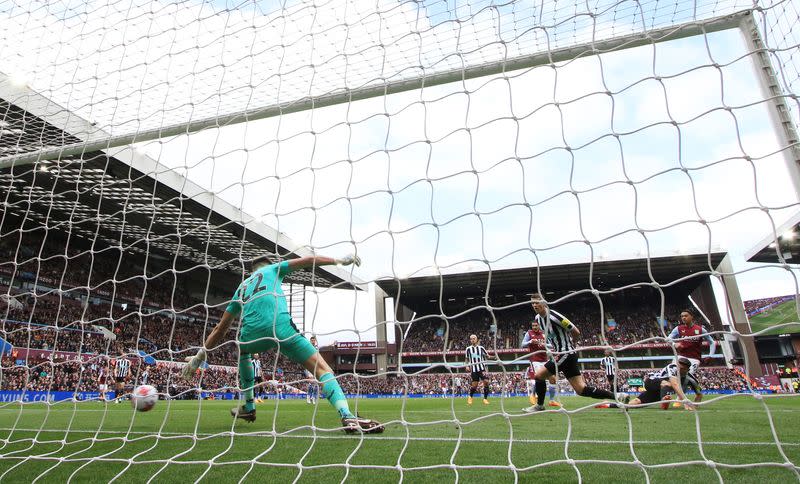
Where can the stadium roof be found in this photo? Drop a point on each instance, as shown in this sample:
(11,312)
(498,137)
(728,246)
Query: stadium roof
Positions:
(788,239)
(127,198)
(560,278)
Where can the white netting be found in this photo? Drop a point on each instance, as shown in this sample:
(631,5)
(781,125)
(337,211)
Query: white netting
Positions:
(621,157)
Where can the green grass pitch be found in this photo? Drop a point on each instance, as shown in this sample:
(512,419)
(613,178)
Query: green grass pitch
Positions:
(433,440)
(783,313)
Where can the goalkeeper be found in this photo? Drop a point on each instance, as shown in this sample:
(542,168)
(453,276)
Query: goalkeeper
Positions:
(266,324)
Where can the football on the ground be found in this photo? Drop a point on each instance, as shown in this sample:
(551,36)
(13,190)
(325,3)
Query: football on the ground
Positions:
(144,398)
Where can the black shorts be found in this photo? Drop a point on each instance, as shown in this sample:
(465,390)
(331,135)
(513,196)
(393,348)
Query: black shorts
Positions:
(567,364)
(611,379)
(652,391)
(258,380)
(478,376)
(120,379)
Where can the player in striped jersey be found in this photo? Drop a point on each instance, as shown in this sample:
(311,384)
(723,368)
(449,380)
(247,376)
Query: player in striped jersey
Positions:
(560,332)
(672,378)
(121,371)
(609,366)
(476,362)
(258,379)
(534,340)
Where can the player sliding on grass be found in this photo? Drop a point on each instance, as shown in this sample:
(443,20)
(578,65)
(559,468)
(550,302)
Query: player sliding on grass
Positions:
(559,332)
(266,324)
(672,378)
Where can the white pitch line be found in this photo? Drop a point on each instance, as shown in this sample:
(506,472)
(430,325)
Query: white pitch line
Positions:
(509,411)
(385,437)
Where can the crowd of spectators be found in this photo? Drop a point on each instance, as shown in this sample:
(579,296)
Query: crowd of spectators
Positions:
(160,335)
(756,306)
(504,328)
(57,373)
(50,268)
(71,304)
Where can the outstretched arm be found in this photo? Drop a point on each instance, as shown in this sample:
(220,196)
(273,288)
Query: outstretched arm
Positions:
(313,261)
(674,381)
(712,344)
(212,341)
(215,338)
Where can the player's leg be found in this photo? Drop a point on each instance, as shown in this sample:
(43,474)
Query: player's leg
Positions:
(650,394)
(473,386)
(333,392)
(552,385)
(331,389)
(542,374)
(570,368)
(584,390)
(486,392)
(298,349)
(247,381)
(259,341)
(531,385)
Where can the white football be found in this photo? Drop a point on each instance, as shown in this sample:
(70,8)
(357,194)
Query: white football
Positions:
(144,398)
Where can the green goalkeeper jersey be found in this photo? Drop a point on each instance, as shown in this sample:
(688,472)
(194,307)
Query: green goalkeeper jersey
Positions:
(259,299)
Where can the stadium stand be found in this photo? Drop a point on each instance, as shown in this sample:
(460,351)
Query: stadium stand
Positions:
(757,306)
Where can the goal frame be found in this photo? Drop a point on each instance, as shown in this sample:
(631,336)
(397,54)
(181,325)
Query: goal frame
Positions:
(96,140)
(784,127)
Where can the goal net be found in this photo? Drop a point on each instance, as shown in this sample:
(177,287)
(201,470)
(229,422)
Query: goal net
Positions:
(619,158)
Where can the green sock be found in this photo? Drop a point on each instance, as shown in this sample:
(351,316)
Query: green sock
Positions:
(333,392)
(246,381)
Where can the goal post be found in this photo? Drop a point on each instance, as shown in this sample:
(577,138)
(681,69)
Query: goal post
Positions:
(785,126)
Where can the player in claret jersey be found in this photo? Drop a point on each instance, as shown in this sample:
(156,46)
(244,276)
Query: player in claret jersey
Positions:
(534,341)
(691,347)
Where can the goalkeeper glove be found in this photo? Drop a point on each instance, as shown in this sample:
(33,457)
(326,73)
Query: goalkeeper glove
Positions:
(349,259)
(193,363)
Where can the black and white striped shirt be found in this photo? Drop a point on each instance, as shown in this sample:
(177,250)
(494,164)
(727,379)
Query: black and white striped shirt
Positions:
(256,367)
(556,328)
(687,380)
(609,364)
(122,368)
(476,358)
(666,372)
